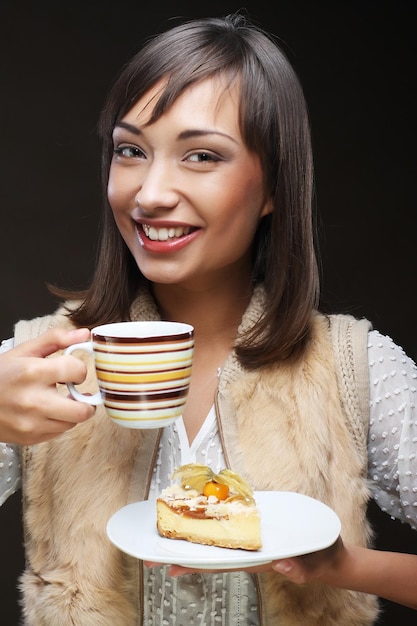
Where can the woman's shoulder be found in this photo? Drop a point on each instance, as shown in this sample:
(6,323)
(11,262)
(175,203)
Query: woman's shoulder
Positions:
(360,350)
(357,337)
(382,346)
(390,367)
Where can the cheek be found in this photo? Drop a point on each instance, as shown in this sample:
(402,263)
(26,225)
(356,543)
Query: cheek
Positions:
(119,193)
(245,200)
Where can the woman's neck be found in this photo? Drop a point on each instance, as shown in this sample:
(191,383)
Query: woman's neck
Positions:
(215,312)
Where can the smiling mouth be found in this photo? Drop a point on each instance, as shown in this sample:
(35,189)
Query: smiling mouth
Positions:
(165,233)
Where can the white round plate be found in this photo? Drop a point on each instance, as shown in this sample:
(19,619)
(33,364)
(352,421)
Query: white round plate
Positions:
(291,524)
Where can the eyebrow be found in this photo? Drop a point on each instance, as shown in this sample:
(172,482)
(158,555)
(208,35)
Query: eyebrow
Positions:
(185,134)
(130,127)
(196,132)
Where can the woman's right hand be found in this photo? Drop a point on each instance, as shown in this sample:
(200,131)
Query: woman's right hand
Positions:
(31,409)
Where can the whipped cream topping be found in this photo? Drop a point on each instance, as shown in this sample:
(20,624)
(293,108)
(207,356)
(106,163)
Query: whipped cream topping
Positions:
(178,498)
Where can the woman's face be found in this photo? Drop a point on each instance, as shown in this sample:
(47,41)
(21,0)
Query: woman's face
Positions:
(186,193)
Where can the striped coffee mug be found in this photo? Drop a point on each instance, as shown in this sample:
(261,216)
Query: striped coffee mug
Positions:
(143,371)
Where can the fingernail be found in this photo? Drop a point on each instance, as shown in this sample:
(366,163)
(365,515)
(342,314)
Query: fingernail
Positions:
(284,567)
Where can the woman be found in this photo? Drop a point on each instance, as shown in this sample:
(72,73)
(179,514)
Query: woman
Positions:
(207,175)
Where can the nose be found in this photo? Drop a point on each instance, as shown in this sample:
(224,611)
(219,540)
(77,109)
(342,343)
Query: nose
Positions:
(157,191)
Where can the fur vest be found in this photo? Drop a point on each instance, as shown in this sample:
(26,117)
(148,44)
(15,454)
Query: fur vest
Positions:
(293,426)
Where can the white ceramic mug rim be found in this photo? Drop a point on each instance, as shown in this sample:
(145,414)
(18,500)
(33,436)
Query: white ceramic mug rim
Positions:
(142,329)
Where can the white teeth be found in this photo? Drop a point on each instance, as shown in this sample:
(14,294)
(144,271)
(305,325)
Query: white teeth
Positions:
(163,234)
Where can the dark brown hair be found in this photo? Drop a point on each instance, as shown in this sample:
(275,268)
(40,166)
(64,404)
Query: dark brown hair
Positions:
(274,124)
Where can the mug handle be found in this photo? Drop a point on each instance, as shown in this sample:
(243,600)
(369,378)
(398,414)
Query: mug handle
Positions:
(94,399)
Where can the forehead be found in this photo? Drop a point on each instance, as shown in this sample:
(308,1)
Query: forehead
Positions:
(211,100)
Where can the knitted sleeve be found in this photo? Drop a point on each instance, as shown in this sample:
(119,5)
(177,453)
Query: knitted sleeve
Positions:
(350,342)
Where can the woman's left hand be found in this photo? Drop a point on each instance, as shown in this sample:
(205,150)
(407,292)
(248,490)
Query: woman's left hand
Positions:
(389,575)
(299,569)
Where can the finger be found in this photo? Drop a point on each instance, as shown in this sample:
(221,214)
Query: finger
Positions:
(51,341)
(51,408)
(63,369)
(32,427)
(33,373)
(284,566)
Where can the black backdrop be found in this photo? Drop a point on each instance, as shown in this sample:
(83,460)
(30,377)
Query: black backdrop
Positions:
(356,61)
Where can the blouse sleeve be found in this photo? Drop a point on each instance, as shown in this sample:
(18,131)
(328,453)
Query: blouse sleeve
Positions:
(392,445)
(9,471)
(9,456)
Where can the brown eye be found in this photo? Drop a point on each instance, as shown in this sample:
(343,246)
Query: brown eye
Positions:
(129,152)
(203,157)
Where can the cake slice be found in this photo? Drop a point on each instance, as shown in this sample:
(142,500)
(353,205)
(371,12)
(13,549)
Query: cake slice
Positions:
(208,508)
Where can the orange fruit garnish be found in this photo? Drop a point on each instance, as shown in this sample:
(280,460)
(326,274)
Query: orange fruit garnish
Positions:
(215,489)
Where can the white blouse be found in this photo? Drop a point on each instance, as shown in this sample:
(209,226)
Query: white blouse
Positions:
(230,599)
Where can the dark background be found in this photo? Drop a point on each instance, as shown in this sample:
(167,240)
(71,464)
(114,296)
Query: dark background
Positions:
(356,61)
